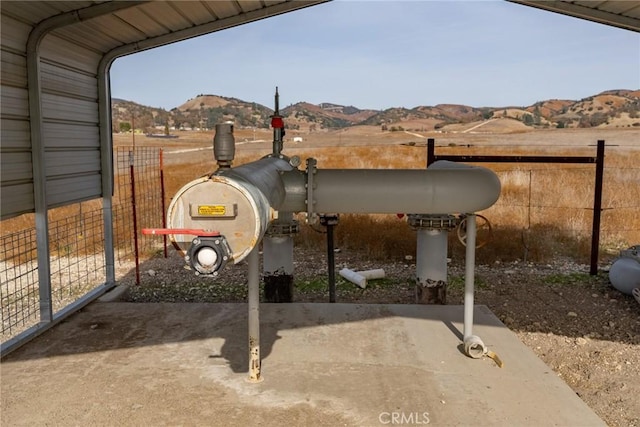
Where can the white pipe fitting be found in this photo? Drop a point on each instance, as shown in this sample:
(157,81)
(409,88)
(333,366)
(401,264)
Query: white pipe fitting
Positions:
(360,278)
(474,347)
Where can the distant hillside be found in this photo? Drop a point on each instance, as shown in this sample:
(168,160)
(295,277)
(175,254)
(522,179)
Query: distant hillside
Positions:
(612,108)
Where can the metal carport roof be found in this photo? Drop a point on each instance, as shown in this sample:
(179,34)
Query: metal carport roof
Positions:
(623,14)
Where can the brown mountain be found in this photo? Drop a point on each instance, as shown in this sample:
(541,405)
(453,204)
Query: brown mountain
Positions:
(612,108)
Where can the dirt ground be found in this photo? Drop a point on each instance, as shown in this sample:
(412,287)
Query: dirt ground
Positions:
(579,325)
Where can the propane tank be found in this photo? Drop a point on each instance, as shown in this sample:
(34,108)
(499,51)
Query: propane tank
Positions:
(624,274)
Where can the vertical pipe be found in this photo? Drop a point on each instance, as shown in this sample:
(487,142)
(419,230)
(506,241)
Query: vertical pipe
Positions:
(431,266)
(135,216)
(163,201)
(277,260)
(331,263)
(431,148)
(38,165)
(597,208)
(469,267)
(107,176)
(254,315)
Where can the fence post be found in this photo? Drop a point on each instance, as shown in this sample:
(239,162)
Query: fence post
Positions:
(135,216)
(162,200)
(431,148)
(597,209)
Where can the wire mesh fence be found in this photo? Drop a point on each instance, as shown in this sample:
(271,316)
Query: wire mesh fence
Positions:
(76,242)
(139,199)
(19,282)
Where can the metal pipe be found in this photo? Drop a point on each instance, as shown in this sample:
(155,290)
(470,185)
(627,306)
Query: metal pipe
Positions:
(472,344)
(277,259)
(331,263)
(469,275)
(431,266)
(224,145)
(253,299)
(265,175)
(447,188)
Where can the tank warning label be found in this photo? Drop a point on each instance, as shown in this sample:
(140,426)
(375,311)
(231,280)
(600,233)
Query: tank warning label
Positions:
(214,211)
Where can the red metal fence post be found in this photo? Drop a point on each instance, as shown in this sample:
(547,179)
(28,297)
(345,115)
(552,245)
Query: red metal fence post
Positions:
(135,217)
(162,198)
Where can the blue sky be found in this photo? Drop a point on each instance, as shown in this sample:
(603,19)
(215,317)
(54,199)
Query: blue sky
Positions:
(383,54)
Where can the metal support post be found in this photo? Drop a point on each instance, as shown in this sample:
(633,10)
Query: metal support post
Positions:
(330,221)
(469,275)
(254,316)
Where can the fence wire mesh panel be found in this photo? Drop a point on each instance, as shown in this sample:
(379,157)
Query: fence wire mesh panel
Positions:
(138,173)
(77,255)
(76,241)
(19,282)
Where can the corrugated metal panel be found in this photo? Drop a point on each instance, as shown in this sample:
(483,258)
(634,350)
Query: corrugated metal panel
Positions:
(88,36)
(32,12)
(617,7)
(14,134)
(623,14)
(13,69)
(60,80)
(64,135)
(145,23)
(112,28)
(61,108)
(224,9)
(15,102)
(66,163)
(14,33)
(249,5)
(196,12)
(64,53)
(20,197)
(80,187)
(15,166)
(167,15)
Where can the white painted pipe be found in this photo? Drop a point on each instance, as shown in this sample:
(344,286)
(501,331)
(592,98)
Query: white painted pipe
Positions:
(431,254)
(377,273)
(469,276)
(361,278)
(253,299)
(474,347)
(353,277)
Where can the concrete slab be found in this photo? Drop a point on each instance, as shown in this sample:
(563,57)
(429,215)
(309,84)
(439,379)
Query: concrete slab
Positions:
(323,364)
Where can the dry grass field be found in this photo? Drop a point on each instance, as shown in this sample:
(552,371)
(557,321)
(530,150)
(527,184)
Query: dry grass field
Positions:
(545,210)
